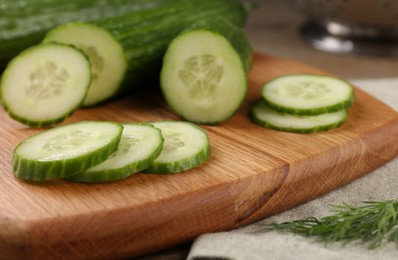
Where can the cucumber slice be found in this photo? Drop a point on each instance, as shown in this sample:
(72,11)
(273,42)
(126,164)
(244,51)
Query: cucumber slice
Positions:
(305,94)
(203,77)
(185,146)
(139,146)
(106,55)
(65,150)
(45,84)
(263,115)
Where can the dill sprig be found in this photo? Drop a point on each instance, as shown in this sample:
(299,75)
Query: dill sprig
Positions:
(371,223)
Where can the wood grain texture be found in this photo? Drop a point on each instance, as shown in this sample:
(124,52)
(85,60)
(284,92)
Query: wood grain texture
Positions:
(253,172)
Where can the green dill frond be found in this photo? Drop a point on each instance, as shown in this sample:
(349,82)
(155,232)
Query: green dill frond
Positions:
(370,223)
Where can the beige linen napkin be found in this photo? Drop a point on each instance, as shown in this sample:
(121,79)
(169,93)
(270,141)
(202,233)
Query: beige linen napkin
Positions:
(251,243)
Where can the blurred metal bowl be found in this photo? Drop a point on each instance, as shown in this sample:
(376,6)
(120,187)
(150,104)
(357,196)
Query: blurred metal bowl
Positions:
(351,26)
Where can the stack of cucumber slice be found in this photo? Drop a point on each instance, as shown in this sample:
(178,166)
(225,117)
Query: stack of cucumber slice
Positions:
(303,103)
(99,151)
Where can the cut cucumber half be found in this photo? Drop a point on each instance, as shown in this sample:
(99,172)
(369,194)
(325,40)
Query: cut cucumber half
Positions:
(65,150)
(203,78)
(45,84)
(106,55)
(306,94)
(139,146)
(185,146)
(263,115)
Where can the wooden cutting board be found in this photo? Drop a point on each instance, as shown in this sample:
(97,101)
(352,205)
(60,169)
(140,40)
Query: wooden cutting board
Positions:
(253,173)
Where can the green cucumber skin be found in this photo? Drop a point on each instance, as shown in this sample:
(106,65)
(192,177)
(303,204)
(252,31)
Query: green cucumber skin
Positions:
(34,170)
(180,166)
(184,164)
(260,122)
(28,169)
(38,124)
(117,174)
(295,130)
(312,111)
(25,23)
(112,175)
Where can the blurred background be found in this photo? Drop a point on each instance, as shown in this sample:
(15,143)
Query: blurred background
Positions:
(281,28)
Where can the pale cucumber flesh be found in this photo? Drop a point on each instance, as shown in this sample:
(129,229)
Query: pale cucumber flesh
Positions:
(202,78)
(109,64)
(45,84)
(265,116)
(139,146)
(306,94)
(65,150)
(185,146)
